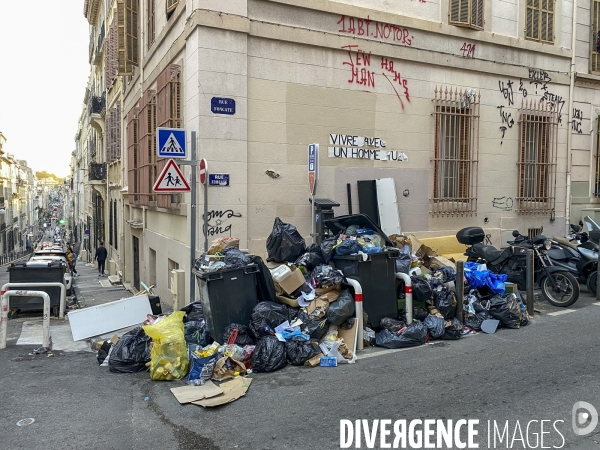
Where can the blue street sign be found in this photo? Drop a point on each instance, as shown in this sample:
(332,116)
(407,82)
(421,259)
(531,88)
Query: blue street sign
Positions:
(220,105)
(170,143)
(218,179)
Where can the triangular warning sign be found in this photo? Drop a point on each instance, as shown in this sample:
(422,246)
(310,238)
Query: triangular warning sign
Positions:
(171,147)
(171,179)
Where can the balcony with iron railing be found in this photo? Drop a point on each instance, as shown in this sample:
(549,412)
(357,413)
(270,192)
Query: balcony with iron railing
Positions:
(97,173)
(97,105)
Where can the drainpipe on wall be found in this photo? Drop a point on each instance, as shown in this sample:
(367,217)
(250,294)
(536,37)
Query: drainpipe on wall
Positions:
(569,129)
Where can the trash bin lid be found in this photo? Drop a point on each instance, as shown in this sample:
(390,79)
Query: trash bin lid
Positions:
(339,224)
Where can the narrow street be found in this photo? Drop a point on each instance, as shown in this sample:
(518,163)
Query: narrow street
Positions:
(535,373)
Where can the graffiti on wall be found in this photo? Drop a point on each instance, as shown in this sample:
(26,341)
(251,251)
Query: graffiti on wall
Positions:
(468,50)
(503,203)
(370,28)
(363,74)
(576,121)
(217,221)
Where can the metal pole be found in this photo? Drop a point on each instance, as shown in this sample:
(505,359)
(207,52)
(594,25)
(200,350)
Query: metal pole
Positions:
(4,306)
(460,289)
(205,227)
(193,221)
(529,281)
(313,228)
(597,284)
(349,192)
(407,296)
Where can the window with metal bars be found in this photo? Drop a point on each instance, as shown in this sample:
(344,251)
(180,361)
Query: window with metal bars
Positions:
(539,20)
(538,131)
(595,37)
(456,151)
(596,192)
(147,147)
(151,27)
(466,13)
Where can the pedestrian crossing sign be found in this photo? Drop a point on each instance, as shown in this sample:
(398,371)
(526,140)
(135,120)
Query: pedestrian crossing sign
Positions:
(171,179)
(170,143)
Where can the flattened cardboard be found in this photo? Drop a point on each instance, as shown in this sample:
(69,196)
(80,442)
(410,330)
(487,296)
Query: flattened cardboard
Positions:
(330,297)
(293,282)
(232,390)
(349,336)
(189,394)
(314,361)
(321,305)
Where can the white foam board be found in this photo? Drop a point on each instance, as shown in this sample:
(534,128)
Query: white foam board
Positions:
(97,320)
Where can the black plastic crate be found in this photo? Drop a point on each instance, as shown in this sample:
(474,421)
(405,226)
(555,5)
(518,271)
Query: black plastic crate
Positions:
(36,273)
(377,278)
(227,296)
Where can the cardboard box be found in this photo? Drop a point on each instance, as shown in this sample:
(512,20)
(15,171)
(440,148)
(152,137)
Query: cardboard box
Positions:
(292,282)
(510,288)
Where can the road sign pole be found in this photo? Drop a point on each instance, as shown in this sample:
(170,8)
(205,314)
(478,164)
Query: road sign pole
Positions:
(314,219)
(205,227)
(193,220)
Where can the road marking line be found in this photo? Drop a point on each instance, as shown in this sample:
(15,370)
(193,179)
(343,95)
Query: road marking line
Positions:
(596,303)
(386,352)
(559,313)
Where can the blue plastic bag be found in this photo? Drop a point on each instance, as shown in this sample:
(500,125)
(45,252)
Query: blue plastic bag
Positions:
(478,276)
(201,369)
(368,250)
(348,247)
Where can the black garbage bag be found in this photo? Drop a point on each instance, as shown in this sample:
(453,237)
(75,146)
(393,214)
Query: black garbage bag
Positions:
(507,309)
(483,315)
(342,309)
(244,336)
(235,258)
(264,281)
(403,263)
(327,248)
(269,355)
(435,326)
(474,322)
(392,325)
(103,351)
(193,311)
(421,288)
(284,243)
(325,276)
(415,334)
(445,302)
(300,351)
(348,247)
(454,331)
(419,313)
(448,274)
(266,316)
(312,258)
(196,332)
(315,328)
(525,318)
(131,352)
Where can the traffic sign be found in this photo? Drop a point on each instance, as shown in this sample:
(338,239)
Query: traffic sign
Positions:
(313,167)
(171,179)
(203,171)
(170,143)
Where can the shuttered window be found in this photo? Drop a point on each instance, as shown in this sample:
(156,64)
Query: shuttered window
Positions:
(133,188)
(168,115)
(595,38)
(151,27)
(539,20)
(127,36)
(147,146)
(113,134)
(538,130)
(111,54)
(596,192)
(467,13)
(456,151)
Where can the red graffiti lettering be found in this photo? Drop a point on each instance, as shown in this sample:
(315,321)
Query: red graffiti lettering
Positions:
(383,31)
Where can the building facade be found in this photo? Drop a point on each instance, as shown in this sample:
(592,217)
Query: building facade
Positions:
(483,113)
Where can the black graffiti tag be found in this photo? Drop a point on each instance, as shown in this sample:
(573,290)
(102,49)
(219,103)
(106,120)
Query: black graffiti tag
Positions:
(507,91)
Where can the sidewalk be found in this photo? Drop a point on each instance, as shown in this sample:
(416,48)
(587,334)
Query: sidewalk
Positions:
(92,290)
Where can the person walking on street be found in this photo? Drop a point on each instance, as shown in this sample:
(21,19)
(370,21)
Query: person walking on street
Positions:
(101,255)
(72,257)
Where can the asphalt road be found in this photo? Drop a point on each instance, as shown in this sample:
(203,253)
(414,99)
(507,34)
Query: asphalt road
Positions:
(532,374)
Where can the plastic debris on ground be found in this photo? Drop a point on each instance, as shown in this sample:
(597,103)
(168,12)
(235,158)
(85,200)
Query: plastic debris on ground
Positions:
(169,359)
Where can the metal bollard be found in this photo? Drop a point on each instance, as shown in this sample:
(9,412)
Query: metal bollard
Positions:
(459,284)
(4,305)
(529,281)
(358,313)
(408,296)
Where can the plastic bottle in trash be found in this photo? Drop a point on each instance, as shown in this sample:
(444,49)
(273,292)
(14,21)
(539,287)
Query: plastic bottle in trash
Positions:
(281,273)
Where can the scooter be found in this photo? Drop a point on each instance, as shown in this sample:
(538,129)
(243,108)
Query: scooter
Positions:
(558,286)
(578,255)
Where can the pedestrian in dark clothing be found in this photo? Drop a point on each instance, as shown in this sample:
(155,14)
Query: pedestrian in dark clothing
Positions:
(101,255)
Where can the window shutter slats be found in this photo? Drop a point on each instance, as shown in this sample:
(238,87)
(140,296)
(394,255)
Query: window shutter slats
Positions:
(122,67)
(594,55)
(467,13)
(171,5)
(131,32)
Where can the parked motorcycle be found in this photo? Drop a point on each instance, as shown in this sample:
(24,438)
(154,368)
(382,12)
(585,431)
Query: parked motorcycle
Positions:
(558,286)
(578,255)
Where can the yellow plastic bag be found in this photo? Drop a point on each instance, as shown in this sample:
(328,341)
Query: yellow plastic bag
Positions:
(169,356)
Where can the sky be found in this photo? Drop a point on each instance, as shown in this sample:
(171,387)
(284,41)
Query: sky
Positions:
(43,75)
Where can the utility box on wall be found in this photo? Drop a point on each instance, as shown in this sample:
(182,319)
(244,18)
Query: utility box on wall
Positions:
(178,288)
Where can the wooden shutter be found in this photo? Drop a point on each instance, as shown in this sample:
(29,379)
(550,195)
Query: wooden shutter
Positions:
(171,5)
(132,154)
(459,12)
(477,14)
(131,32)
(151,27)
(595,24)
(123,68)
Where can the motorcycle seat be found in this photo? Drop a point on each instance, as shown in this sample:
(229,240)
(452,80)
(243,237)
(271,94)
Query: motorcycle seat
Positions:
(565,241)
(487,252)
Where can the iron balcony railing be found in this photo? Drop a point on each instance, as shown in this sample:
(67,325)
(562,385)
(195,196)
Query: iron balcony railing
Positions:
(97,104)
(97,171)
